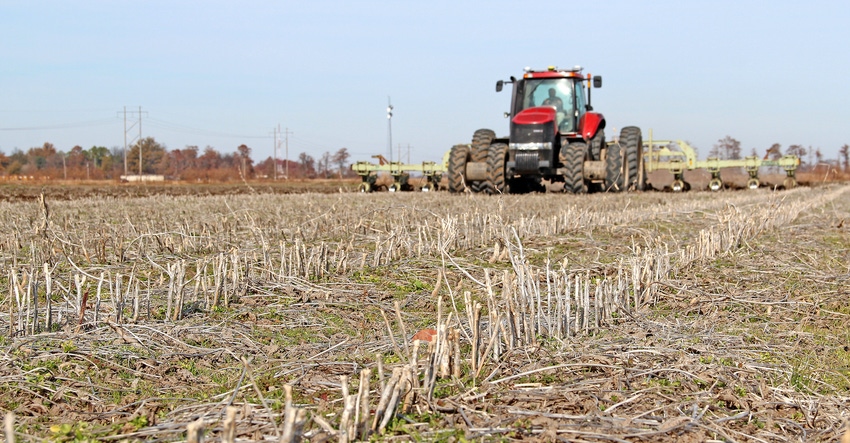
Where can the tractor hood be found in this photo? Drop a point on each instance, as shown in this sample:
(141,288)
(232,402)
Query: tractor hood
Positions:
(535,116)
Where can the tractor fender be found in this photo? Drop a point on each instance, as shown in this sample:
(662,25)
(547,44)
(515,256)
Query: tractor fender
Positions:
(590,123)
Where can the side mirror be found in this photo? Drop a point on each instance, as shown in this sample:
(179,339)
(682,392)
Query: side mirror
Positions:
(597,81)
(499,85)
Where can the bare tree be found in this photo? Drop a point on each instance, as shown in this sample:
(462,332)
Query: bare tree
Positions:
(340,159)
(325,164)
(307,164)
(243,155)
(727,148)
(844,158)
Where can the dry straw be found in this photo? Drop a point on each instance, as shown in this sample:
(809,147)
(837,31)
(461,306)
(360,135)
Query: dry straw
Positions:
(140,279)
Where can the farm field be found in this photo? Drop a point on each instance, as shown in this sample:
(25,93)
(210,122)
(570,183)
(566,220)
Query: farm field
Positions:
(72,189)
(262,315)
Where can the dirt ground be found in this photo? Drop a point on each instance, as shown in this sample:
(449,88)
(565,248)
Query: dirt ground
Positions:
(655,316)
(69,190)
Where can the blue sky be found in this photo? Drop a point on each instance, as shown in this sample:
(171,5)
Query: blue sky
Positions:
(223,73)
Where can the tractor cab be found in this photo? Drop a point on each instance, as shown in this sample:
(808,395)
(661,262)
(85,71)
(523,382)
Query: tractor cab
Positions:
(564,94)
(561,89)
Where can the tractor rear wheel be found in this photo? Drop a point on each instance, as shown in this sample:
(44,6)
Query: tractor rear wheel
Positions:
(573,160)
(496,181)
(481,141)
(596,145)
(458,157)
(614,171)
(632,142)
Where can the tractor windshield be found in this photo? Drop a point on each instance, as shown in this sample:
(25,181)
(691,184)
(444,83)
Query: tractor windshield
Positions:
(561,93)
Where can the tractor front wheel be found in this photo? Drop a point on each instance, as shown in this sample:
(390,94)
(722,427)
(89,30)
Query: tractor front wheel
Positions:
(573,160)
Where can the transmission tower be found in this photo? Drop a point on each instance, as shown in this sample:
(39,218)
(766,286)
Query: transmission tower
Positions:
(137,121)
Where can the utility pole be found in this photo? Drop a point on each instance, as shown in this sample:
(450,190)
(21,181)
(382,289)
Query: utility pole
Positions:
(140,142)
(390,128)
(276,146)
(286,161)
(125,140)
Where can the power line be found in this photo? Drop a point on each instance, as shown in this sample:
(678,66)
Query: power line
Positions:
(62,125)
(177,127)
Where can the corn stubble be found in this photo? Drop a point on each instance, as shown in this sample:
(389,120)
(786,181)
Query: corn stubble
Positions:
(268,317)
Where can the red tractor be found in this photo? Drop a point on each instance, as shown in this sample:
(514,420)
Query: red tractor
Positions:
(554,136)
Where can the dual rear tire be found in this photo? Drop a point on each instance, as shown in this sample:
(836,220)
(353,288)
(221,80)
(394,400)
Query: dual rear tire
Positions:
(480,151)
(458,157)
(624,168)
(497,158)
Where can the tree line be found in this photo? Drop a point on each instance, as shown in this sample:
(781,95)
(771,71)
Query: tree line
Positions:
(728,148)
(147,156)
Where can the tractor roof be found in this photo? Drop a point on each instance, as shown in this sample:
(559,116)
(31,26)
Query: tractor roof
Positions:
(553,72)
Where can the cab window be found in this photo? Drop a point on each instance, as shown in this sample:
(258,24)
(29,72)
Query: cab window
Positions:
(548,92)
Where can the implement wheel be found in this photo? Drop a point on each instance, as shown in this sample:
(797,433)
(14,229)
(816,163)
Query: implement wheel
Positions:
(458,157)
(496,160)
(364,187)
(678,185)
(789,183)
(753,183)
(715,184)
(572,157)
